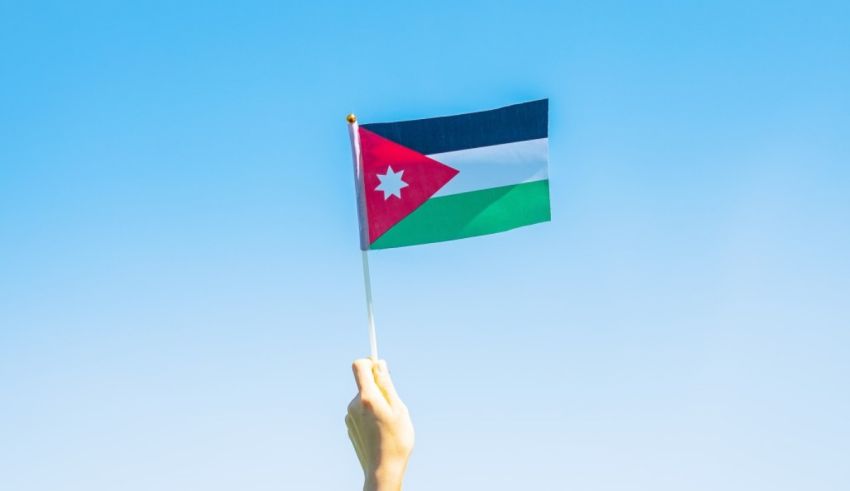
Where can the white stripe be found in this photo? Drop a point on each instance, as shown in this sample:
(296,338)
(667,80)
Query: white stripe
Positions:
(496,165)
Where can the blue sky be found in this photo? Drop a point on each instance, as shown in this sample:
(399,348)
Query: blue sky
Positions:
(180,289)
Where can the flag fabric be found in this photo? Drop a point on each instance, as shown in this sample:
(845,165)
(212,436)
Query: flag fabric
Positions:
(446,178)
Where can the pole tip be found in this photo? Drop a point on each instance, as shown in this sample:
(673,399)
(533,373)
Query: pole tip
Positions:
(351,118)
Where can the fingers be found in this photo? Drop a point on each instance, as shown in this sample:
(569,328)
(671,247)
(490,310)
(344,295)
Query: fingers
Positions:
(377,391)
(362,369)
(385,382)
(356,445)
(354,436)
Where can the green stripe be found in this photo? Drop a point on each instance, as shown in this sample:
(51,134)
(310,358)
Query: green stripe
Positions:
(469,214)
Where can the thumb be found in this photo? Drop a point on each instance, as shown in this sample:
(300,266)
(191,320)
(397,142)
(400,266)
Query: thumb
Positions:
(385,382)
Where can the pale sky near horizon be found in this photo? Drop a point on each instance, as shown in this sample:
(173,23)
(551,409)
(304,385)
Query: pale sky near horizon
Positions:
(180,289)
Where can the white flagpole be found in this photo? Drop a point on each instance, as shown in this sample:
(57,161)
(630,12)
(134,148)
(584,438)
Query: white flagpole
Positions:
(373,339)
(364,240)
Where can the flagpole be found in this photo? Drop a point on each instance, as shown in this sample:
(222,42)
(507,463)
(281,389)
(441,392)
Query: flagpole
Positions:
(364,243)
(367,283)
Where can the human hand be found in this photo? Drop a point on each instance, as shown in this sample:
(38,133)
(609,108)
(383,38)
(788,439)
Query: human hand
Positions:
(379,426)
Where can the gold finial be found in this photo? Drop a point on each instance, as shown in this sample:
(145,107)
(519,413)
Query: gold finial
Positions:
(351,118)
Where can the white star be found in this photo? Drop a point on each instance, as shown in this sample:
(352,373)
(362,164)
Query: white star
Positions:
(391,183)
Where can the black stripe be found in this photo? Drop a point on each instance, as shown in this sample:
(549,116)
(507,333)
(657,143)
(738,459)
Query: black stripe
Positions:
(526,121)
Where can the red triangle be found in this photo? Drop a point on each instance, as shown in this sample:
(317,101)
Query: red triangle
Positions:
(422,175)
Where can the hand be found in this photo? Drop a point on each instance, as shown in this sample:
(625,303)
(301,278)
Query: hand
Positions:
(379,426)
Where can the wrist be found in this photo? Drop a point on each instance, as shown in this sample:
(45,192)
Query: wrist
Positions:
(385,478)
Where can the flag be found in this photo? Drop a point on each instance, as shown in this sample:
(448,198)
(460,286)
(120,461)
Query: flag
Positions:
(452,177)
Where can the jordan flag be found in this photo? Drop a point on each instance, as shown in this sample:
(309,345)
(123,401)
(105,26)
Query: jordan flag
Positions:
(430,180)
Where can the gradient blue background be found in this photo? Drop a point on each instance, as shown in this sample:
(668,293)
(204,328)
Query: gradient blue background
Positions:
(180,289)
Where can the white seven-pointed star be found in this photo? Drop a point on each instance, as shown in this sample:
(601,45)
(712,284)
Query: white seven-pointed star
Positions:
(391,183)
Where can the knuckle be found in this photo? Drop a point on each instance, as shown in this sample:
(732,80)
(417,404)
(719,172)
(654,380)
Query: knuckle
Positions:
(352,407)
(367,402)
